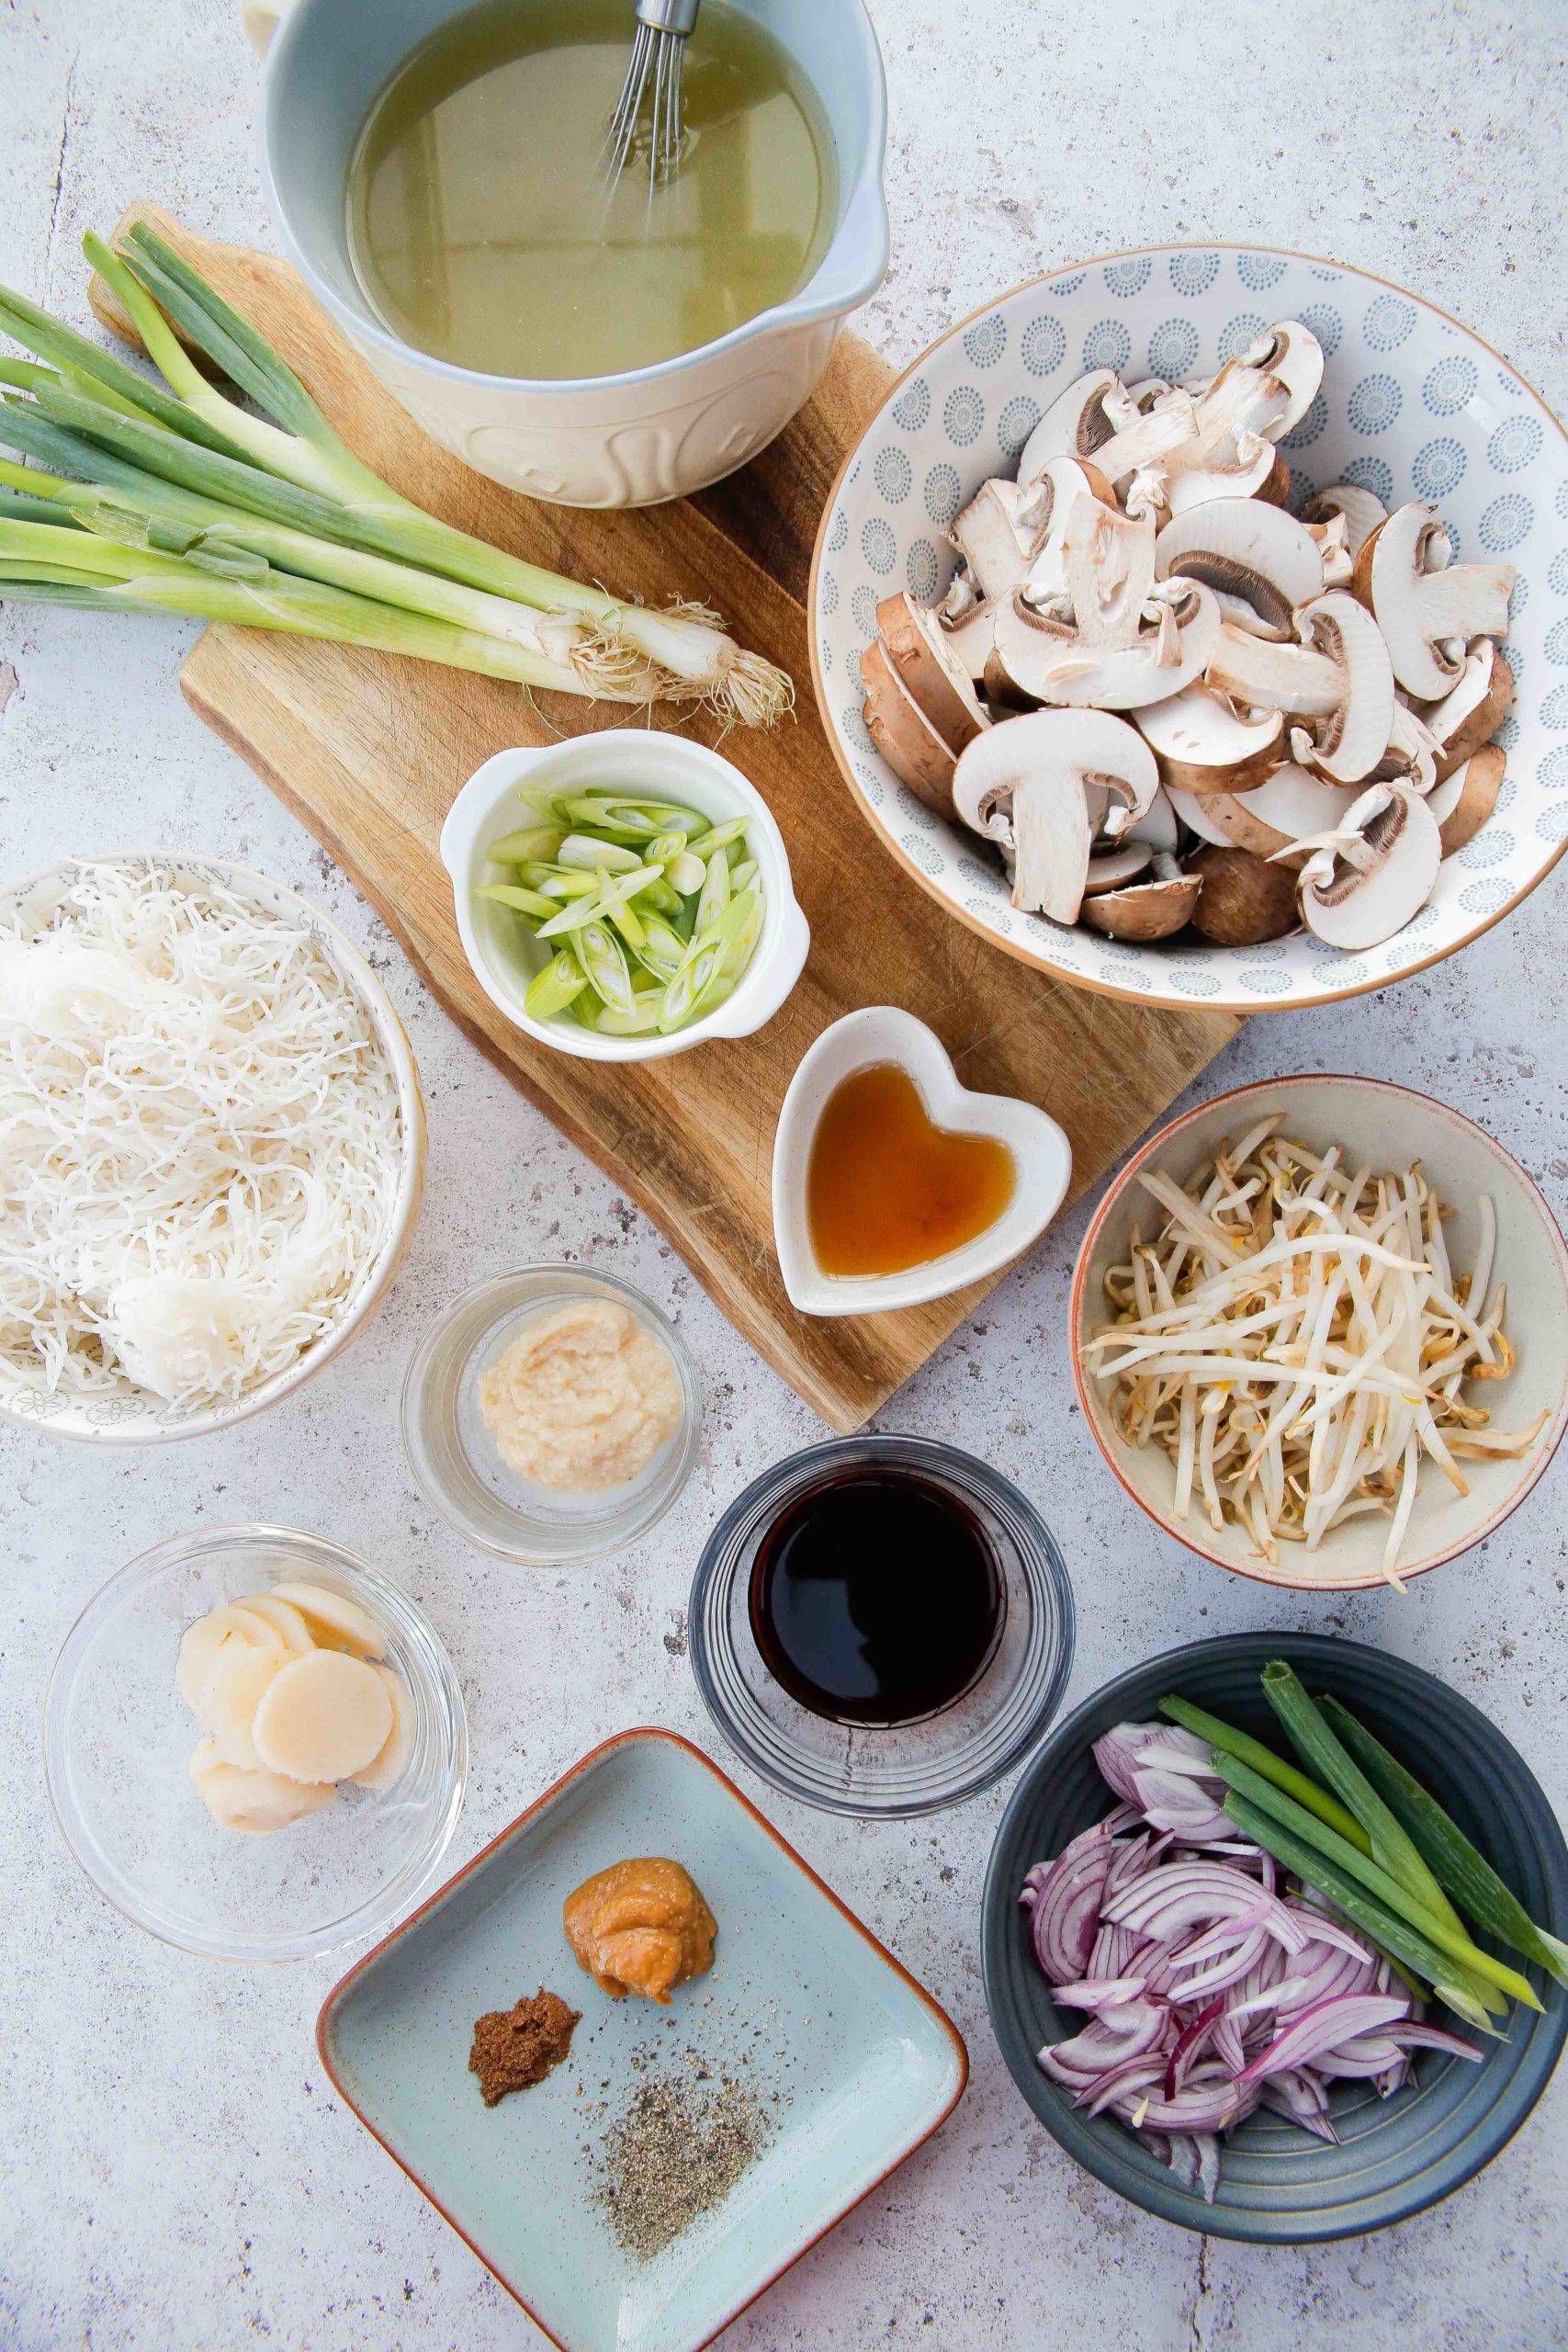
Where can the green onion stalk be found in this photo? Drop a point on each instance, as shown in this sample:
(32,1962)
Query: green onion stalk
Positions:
(275,503)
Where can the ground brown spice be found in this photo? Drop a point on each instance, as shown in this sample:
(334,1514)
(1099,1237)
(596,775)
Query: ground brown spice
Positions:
(514,2049)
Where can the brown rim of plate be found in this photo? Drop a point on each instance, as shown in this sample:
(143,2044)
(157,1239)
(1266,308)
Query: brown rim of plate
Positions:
(1023,955)
(1182,1531)
(619,1739)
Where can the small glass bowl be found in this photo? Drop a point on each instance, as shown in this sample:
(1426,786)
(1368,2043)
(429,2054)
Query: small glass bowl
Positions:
(118,1742)
(454,1460)
(864,1769)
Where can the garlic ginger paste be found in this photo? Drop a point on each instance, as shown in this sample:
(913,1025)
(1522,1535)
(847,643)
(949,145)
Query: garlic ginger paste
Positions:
(582,1399)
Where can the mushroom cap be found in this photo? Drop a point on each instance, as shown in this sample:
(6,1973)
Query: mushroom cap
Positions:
(1146,909)
(928,670)
(904,735)
(1462,802)
(1243,901)
(1260,561)
(1475,706)
(1270,819)
(1204,744)
(1361,895)
(1075,426)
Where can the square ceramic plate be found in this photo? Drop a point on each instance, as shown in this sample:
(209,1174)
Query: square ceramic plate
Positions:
(866,2063)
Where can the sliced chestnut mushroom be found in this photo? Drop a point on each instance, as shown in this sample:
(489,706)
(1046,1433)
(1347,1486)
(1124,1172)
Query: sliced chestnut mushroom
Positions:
(998,534)
(904,735)
(1263,675)
(1194,813)
(1427,607)
(1032,787)
(1411,756)
(1261,562)
(1366,878)
(1359,510)
(1148,437)
(1273,819)
(1151,909)
(1109,570)
(1474,709)
(1243,901)
(1275,487)
(1077,423)
(1331,540)
(1338,676)
(1293,355)
(928,670)
(1462,802)
(1204,744)
(1112,869)
(1046,659)
(967,625)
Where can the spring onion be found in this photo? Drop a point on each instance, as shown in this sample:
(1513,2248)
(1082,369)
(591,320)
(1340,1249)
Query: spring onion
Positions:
(1264,1796)
(1348,1896)
(1466,1874)
(227,501)
(1229,1741)
(640,953)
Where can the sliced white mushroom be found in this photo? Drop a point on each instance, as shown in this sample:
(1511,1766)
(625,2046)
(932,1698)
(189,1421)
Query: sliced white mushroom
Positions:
(1411,755)
(1110,869)
(996,535)
(928,670)
(1366,879)
(1333,541)
(1204,744)
(1359,510)
(967,624)
(1244,901)
(904,735)
(1261,562)
(1194,813)
(1475,706)
(1292,355)
(1347,743)
(1261,675)
(1109,570)
(1273,817)
(1427,607)
(1151,909)
(1156,824)
(1462,802)
(1148,437)
(1230,454)
(1078,423)
(1035,776)
(1046,659)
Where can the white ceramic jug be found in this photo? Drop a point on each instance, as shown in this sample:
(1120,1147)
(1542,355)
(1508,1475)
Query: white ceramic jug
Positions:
(626,440)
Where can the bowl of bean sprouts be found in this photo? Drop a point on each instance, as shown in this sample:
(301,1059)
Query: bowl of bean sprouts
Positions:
(1320,1332)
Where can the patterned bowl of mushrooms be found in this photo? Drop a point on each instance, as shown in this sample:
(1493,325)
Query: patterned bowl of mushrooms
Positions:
(1193,624)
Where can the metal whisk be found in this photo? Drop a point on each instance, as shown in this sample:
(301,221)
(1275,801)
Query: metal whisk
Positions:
(657,56)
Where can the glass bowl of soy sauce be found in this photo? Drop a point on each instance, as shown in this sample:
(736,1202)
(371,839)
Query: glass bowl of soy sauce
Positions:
(881,1625)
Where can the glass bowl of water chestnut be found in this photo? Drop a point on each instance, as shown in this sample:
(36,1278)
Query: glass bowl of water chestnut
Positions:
(881,1625)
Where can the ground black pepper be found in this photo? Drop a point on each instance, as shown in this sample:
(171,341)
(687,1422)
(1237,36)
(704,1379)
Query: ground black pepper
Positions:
(673,2152)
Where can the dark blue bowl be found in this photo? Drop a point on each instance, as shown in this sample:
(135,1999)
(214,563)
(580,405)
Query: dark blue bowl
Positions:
(1278,2186)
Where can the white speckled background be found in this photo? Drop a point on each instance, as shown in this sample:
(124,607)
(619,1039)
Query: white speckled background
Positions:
(176,2173)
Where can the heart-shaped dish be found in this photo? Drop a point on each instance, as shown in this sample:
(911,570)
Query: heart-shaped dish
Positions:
(881,1033)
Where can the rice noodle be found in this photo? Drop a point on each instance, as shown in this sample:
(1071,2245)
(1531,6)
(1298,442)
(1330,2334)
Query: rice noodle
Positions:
(1295,1338)
(200,1141)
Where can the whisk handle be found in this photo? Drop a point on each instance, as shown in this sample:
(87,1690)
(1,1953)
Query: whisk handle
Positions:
(675,16)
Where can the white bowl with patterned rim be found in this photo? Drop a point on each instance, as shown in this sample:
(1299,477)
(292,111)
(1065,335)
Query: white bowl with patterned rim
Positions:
(122,1413)
(1412,406)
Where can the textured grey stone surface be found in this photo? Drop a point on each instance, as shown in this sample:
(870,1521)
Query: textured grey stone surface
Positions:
(176,2173)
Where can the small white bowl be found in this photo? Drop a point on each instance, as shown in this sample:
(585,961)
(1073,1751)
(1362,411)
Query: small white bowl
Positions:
(1381,1126)
(124,1414)
(880,1033)
(630,760)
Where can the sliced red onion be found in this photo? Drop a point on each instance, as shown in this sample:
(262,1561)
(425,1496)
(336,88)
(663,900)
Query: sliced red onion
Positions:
(1115,2036)
(1189,2045)
(1324,2028)
(1188,1894)
(1220,1975)
(1411,2036)
(1210,2102)
(1133,2081)
(1100,1993)
(1065,1916)
(1228,2046)
(1184,1807)
(1302,2100)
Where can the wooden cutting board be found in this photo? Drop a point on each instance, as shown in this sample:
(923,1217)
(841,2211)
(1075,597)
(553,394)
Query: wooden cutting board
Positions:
(369,751)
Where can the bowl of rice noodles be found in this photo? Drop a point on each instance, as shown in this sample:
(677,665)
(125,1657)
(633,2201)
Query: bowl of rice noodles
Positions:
(212,1145)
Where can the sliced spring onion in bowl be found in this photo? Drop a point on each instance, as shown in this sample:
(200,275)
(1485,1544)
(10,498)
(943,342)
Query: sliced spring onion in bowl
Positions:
(586,849)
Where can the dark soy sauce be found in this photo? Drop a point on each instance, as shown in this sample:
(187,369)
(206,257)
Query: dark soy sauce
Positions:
(877,1598)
